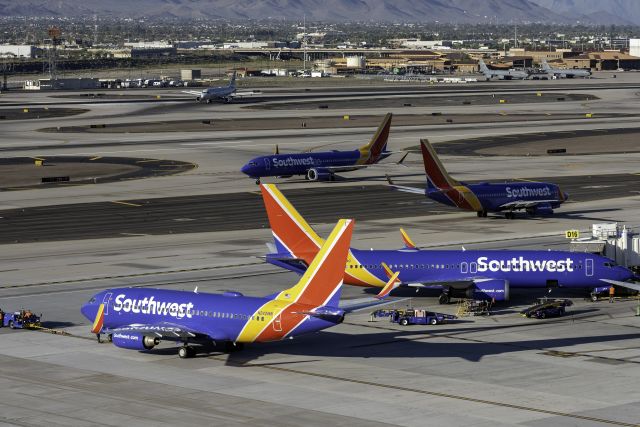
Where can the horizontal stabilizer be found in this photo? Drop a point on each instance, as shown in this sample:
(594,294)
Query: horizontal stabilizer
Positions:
(628,285)
(403,188)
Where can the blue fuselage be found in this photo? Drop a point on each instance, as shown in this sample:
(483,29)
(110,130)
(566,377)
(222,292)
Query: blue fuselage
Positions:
(298,164)
(221,317)
(522,269)
(497,197)
(438,268)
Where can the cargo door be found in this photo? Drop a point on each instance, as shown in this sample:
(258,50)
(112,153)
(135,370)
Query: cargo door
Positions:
(277,323)
(588,270)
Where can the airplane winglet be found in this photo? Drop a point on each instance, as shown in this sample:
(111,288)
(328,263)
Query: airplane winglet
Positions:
(387,269)
(277,150)
(391,285)
(408,243)
(400,162)
(389,179)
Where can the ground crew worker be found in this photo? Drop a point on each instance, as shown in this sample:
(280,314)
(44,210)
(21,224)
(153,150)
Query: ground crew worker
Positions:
(612,292)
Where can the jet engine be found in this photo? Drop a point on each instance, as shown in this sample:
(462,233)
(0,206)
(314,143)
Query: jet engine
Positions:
(544,209)
(134,341)
(494,289)
(319,174)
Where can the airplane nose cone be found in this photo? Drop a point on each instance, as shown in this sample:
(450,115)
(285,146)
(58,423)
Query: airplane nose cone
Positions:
(245,169)
(89,311)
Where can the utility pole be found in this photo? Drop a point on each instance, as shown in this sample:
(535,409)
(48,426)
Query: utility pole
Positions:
(304,42)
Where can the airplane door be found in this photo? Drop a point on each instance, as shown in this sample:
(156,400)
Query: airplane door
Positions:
(473,267)
(105,301)
(463,267)
(277,323)
(267,164)
(589,267)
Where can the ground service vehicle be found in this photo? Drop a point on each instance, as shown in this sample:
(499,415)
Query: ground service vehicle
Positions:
(23,319)
(547,307)
(413,316)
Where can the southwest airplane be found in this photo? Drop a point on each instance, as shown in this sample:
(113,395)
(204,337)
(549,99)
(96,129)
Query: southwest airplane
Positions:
(477,274)
(322,166)
(533,197)
(138,318)
(501,74)
(220,93)
(564,73)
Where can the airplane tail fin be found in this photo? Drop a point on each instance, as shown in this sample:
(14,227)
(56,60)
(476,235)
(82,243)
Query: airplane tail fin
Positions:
(378,144)
(483,66)
(291,233)
(321,283)
(232,82)
(437,175)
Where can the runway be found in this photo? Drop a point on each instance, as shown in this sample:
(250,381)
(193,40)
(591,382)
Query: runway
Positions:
(206,228)
(238,211)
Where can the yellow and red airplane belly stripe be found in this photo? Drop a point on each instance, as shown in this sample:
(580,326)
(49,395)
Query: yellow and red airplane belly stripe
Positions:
(360,275)
(99,320)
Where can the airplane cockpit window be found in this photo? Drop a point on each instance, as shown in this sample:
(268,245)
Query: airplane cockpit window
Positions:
(92,300)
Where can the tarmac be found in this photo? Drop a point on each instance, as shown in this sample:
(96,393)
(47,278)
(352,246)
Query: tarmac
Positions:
(206,227)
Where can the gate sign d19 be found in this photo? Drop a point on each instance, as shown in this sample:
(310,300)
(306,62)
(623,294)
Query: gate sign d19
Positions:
(572,234)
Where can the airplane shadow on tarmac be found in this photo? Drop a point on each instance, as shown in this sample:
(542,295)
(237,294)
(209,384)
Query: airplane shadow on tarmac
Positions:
(414,343)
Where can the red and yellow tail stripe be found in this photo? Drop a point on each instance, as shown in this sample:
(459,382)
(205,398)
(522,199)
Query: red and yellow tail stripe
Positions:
(98,323)
(370,153)
(315,288)
(460,195)
(288,226)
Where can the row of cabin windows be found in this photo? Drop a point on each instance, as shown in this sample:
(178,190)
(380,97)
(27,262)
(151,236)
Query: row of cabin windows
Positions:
(217,314)
(416,266)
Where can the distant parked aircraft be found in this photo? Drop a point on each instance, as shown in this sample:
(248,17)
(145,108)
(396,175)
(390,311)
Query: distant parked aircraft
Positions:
(534,197)
(564,73)
(323,165)
(220,93)
(502,74)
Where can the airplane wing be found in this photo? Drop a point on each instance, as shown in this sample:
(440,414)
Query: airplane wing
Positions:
(403,188)
(337,169)
(628,285)
(169,331)
(245,94)
(524,204)
(358,304)
(192,92)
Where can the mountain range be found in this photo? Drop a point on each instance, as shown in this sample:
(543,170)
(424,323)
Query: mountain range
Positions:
(452,11)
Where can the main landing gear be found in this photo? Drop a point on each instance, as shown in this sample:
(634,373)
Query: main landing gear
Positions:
(186,352)
(510,215)
(482,214)
(444,298)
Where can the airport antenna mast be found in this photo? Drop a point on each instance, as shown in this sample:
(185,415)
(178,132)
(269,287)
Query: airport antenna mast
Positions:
(95,30)
(304,42)
(54,35)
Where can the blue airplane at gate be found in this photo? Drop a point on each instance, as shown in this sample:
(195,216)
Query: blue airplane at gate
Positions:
(477,274)
(536,198)
(322,166)
(139,318)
